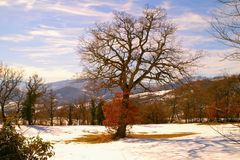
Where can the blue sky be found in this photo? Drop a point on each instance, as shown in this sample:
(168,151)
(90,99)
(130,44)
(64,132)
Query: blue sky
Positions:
(41,36)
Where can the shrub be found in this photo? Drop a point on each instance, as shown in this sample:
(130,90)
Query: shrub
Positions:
(14,146)
(113,110)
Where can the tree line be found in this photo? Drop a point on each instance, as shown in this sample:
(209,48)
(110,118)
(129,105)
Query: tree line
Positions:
(216,99)
(33,102)
(210,100)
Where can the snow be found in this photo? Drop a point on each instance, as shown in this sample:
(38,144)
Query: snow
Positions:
(145,94)
(206,144)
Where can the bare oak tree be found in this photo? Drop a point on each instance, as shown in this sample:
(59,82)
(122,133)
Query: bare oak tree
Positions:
(226,26)
(9,81)
(130,51)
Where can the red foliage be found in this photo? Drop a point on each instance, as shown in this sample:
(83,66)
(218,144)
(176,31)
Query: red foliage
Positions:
(114,109)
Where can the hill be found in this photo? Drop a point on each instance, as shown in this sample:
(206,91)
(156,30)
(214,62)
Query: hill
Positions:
(72,90)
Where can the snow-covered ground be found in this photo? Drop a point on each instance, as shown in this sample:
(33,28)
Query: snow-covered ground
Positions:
(206,144)
(147,94)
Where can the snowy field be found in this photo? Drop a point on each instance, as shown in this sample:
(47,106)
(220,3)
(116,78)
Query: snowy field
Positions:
(206,144)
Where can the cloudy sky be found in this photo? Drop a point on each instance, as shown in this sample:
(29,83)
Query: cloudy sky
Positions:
(41,36)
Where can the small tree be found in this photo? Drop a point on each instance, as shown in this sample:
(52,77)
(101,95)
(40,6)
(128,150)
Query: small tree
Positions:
(61,114)
(173,102)
(113,111)
(9,81)
(93,90)
(19,98)
(51,105)
(93,108)
(35,89)
(96,111)
(70,113)
(99,113)
(154,113)
(79,112)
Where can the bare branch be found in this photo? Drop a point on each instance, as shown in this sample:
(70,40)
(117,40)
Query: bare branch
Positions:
(132,50)
(226,26)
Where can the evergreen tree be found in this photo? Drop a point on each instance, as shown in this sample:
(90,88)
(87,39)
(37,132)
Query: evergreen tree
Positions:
(93,111)
(35,89)
(99,113)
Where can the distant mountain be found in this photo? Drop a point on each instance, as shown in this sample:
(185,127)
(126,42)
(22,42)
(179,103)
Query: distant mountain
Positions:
(69,90)
(72,90)
(79,84)
(68,93)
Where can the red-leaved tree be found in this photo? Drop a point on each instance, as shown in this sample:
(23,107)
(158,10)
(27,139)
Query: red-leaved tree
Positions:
(113,111)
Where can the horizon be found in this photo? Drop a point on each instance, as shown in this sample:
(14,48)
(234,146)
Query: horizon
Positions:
(42,36)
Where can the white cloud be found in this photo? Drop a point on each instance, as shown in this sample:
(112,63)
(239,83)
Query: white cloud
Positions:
(166,4)
(213,64)
(28,4)
(128,6)
(62,42)
(48,74)
(190,20)
(16,38)
(3,3)
(191,40)
(49,31)
(77,10)
(82,8)
(43,51)
(45,32)
(86,8)
(54,42)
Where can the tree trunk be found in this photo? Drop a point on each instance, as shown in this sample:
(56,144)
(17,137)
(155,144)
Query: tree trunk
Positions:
(51,121)
(51,115)
(70,122)
(3,114)
(61,123)
(29,122)
(121,131)
(29,115)
(93,112)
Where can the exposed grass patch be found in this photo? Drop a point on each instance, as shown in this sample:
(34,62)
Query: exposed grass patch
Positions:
(142,132)
(92,139)
(105,138)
